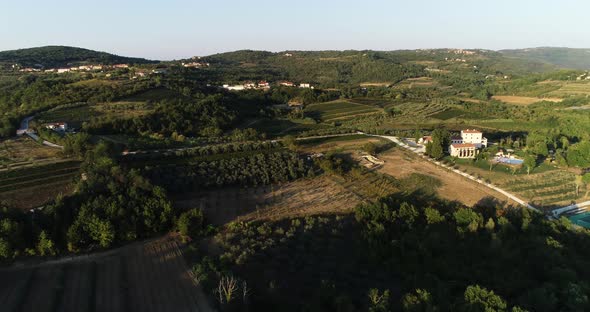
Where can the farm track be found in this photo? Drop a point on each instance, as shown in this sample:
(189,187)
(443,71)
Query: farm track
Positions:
(146,276)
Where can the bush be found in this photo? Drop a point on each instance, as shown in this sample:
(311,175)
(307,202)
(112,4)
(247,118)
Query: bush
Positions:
(190,223)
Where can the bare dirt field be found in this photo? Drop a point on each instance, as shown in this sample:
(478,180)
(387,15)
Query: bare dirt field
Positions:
(400,163)
(33,197)
(338,145)
(146,276)
(523,100)
(300,198)
(375,84)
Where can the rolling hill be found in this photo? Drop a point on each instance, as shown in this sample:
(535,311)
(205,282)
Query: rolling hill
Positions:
(561,57)
(56,56)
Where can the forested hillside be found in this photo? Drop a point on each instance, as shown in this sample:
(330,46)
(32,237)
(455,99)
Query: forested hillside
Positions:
(57,56)
(561,57)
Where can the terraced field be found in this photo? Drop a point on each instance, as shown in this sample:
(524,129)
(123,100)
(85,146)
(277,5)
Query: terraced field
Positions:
(24,152)
(28,188)
(150,276)
(570,88)
(415,111)
(545,189)
(340,110)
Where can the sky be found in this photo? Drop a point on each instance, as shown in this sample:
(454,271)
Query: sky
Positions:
(174,29)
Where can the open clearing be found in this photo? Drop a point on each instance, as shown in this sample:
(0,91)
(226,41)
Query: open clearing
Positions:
(400,163)
(337,144)
(524,100)
(300,198)
(146,276)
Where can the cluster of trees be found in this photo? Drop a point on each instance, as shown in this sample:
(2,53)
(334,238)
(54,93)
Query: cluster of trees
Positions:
(440,142)
(205,117)
(427,245)
(254,169)
(112,205)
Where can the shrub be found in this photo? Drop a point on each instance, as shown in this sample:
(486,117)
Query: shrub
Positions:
(190,223)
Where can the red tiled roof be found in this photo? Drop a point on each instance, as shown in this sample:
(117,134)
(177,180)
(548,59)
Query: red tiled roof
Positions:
(463,145)
(471,131)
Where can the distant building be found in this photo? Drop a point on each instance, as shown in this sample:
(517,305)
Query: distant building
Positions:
(234,88)
(250,85)
(286,83)
(57,126)
(304,85)
(195,64)
(121,66)
(263,84)
(425,140)
(159,71)
(63,70)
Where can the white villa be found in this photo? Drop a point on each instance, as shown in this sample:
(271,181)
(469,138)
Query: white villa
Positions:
(57,126)
(468,144)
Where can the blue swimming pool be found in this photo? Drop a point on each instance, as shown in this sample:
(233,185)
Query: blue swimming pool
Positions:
(510,161)
(582,219)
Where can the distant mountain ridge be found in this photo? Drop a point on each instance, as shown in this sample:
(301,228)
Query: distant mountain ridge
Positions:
(58,56)
(562,57)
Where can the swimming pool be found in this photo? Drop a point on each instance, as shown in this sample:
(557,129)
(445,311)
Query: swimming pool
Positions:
(510,161)
(582,219)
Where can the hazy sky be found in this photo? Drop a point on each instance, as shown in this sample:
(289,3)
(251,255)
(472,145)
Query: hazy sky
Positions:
(168,29)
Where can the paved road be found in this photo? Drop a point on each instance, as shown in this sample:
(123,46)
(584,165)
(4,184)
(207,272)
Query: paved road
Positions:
(25,130)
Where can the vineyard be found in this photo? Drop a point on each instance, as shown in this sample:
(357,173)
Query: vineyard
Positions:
(545,189)
(148,276)
(339,110)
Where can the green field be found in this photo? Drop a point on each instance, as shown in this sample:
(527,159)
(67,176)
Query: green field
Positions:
(339,110)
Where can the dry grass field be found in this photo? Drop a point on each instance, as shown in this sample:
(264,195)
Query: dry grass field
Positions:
(300,198)
(146,276)
(400,163)
(524,100)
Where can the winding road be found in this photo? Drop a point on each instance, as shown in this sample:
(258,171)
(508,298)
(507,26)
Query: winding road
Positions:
(25,130)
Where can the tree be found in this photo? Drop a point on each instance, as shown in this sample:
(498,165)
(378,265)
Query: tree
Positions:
(440,139)
(290,142)
(529,162)
(190,223)
(419,300)
(45,246)
(378,301)
(227,289)
(467,220)
(370,148)
(433,216)
(479,299)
